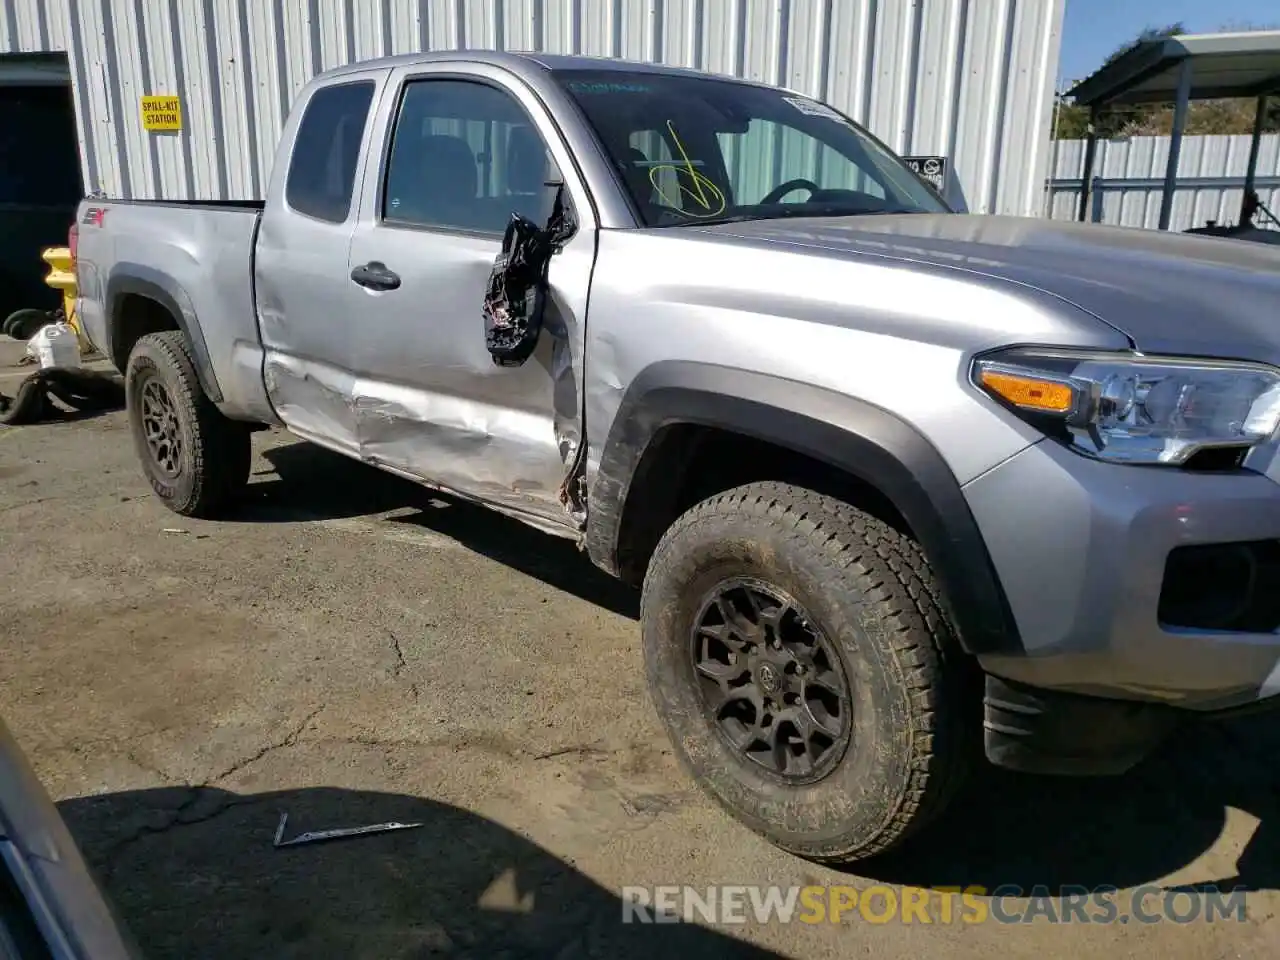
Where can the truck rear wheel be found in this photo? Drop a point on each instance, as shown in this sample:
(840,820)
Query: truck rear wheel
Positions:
(794,650)
(196,459)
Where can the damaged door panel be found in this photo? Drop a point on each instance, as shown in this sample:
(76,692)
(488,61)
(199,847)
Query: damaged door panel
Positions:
(314,399)
(428,399)
(301,269)
(515,311)
(515,298)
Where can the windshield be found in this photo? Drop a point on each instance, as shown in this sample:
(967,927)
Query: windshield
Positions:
(704,150)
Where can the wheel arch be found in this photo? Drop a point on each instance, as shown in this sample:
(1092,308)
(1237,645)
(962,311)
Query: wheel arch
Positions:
(867,444)
(142,300)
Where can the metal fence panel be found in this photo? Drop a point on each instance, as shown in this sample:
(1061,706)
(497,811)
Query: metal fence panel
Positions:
(1129,180)
(971,80)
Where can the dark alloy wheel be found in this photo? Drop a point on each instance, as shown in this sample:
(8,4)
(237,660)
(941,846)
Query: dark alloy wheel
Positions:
(196,460)
(771,680)
(161,429)
(806,675)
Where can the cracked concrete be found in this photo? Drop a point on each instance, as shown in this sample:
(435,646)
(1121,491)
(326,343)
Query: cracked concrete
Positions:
(288,740)
(400,663)
(177,693)
(580,750)
(108,860)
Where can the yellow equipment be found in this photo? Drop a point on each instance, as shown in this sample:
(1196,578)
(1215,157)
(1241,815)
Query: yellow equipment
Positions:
(62,276)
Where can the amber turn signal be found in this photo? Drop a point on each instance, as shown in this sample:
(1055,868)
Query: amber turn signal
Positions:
(1029,393)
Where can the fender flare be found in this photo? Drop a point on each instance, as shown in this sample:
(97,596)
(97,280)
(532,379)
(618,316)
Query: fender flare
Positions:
(865,441)
(136,278)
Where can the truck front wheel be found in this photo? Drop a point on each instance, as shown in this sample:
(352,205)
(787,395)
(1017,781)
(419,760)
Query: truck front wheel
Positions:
(795,652)
(196,459)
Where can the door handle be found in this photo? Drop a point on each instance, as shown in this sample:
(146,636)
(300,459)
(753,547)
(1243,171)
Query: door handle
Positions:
(376,276)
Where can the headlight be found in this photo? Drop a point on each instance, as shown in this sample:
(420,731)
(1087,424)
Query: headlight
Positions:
(1135,409)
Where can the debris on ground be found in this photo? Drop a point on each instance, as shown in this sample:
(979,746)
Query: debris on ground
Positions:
(316,836)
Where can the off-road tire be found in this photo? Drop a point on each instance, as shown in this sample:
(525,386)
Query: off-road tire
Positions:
(870,590)
(215,451)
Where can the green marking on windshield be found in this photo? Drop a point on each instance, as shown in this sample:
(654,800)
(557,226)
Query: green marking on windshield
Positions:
(601,86)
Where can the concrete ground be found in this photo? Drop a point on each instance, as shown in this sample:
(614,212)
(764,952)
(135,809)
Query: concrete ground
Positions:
(352,649)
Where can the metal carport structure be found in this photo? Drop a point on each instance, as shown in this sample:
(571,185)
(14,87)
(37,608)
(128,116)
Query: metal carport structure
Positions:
(1177,70)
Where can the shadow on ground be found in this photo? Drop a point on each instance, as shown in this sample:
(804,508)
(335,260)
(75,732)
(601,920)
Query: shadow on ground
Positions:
(312,483)
(1120,831)
(1004,829)
(194,874)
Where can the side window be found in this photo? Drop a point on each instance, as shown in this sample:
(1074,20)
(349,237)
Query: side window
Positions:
(464,156)
(796,155)
(322,170)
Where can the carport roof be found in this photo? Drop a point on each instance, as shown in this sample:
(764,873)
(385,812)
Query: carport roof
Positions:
(1222,65)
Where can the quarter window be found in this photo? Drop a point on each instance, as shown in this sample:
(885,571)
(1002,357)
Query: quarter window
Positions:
(322,170)
(464,156)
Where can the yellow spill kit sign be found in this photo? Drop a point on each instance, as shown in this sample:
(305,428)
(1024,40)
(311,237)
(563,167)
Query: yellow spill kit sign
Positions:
(162,113)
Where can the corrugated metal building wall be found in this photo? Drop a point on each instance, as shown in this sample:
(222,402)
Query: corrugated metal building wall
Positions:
(1129,179)
(968,79)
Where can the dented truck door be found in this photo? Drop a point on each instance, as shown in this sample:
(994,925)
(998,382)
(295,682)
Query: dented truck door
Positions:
(469,145)
(300,262)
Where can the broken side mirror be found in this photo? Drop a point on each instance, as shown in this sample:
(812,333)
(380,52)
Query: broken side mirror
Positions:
(515,297)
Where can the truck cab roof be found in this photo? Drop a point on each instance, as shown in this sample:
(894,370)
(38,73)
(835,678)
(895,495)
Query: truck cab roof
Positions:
(519,60)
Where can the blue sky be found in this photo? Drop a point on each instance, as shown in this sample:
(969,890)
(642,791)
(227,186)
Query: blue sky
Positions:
(1094,28)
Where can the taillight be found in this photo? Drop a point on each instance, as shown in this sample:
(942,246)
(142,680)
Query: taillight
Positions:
(73,238)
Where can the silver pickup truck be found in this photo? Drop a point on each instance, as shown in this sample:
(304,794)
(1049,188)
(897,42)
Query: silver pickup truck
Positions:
(896,481)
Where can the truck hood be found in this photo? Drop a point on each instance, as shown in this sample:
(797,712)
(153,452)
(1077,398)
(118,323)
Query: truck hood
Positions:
(1168,293)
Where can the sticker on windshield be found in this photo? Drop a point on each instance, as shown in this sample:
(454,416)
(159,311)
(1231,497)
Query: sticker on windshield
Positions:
(812,108)
(598,86)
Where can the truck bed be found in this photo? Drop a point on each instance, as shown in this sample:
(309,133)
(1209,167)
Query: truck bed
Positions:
(184,204)
(193,257)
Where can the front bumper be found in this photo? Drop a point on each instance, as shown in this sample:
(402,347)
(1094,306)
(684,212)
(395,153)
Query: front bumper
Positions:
(1082,547)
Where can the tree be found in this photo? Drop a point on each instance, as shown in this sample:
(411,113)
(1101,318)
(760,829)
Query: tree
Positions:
(1071,122)
(1146,36)
(1204,117)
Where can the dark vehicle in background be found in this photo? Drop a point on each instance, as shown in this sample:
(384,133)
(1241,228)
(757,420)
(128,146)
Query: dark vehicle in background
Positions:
(40,186)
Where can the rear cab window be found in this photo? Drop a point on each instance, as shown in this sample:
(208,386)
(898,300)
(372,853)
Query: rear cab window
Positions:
(326,151)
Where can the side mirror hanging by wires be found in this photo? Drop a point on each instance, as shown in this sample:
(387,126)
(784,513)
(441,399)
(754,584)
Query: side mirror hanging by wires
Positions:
(515,296)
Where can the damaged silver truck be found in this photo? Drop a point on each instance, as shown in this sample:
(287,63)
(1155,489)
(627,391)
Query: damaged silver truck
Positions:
(900,484)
